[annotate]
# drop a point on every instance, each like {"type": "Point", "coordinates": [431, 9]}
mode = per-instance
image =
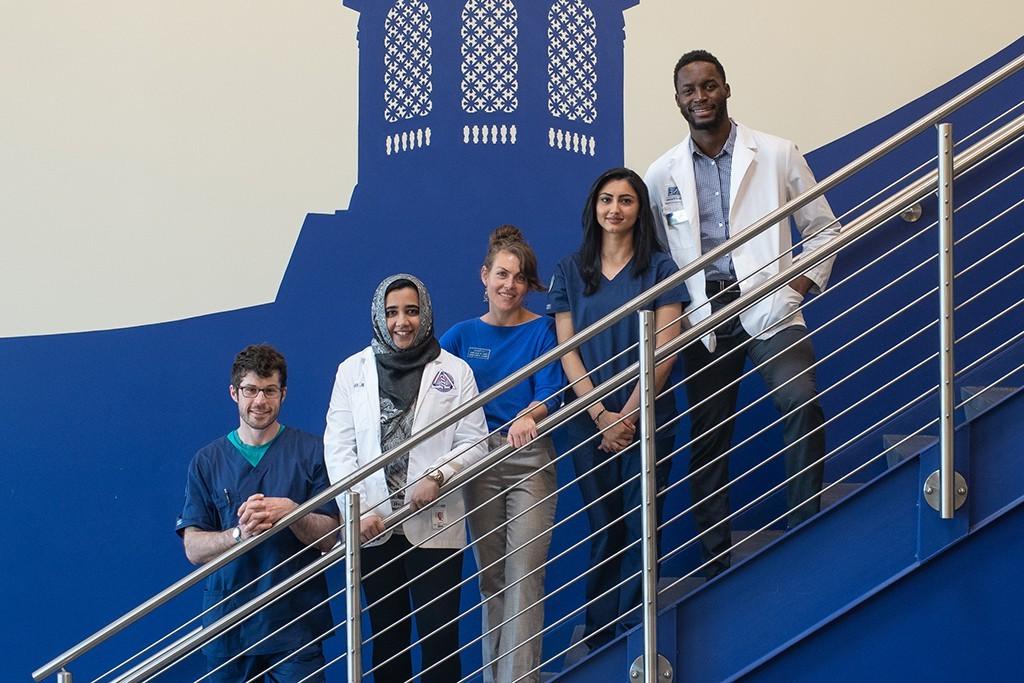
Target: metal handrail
{"type": "Point", "coordinates": [854, 230]}
{"type": "Point", "coordinates": [806, 261]}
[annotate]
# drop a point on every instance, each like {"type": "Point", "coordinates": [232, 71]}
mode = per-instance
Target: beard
{"type": "Point", "coordinates": [721, 116]}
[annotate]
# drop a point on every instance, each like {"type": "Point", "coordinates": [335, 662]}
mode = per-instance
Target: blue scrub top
{"type": "Point", "coordinates": [494, 352]}
{"type": "Point", "coordinates": [220, 479]}
{"type": "Point", "coordinates": [566, 294]}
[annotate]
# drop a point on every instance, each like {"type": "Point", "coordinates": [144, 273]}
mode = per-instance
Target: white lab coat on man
{"type": "Point", "coordinates": [767, 171]}
{"type": "Point", "coordinates": [352, 440]}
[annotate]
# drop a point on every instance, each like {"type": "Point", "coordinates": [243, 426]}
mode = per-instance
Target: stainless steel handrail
{"type": "Point", "coordinates": [571, 344]}
{"type": "Point", "coordinates": [871, 219]}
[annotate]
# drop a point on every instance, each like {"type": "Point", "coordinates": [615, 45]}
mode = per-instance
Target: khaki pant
{"type": "Point", "coordinates": [508, 553]}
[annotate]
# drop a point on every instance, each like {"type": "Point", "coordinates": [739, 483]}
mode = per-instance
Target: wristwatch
{"type": "Point", "coordinates": [236, 534]}
{"type": "Point", "coordinates": [437, 476]}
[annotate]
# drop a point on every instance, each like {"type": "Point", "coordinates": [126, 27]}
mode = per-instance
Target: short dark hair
{"type": "Point", "coordinates": [645, 241]}
{"type": "Point", "coordinates": [697, 56]}
{"type": "Point", "coordinates": [263, 359]}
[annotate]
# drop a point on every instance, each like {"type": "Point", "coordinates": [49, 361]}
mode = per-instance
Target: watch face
{"type": "Point", "coordinates": [236, 534]}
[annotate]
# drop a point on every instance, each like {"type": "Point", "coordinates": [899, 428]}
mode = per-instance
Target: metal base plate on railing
{"type": "Point", "coordinates": [931, 490]}
{"type": "Point", "coordinates": [665, 673]}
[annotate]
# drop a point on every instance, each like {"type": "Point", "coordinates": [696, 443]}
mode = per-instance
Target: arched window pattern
{"type": "Point", "coordinates": [572, 61]}
{"type": "Point", "coordinates": [490, 56]}
{"type": "Point", "coordinates": [407, 54]}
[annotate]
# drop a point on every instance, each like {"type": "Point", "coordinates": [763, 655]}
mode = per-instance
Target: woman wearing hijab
{"type": "Point", "coordinates": [400, 384]}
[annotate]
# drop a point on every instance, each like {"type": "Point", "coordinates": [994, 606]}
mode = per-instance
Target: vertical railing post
{"type": "Point", "coordinates": [946, 473]}
{"type": "Point", "coordinates": [353, 576]}
{"type": "Point", "coordinates": [648, 494]}
{"type": "Point", "coordinates": [63, 676]}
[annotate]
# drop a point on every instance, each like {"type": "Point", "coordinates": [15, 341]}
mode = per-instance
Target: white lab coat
{"type": "Point", "coordinates": [767, 171]}
{"type": "Point", "coordinates": [352, 440]}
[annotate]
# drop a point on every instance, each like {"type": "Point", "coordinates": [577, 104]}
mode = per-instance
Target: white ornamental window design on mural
{"type": "Point", "coordinates": [490, 56]}
{"type": "Point", "coordinates": [407, 54]}
{"type": "Point", "coordinates": [572, 61]}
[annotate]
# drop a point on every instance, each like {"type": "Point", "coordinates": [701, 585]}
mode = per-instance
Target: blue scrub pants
{"type": "Point", "coordinates": [606, 471]}
{"type": "Point", "coordinates": [293, 667]}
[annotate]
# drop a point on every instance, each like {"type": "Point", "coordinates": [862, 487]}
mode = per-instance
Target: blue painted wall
{"type": "Point", "coordinates": [102, 425]}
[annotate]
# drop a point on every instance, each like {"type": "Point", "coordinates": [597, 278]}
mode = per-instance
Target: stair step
{"type": "Point", "coordinates": [667, 595]}
{"type": "Point", "coordinates": [984, 399]}
{"type": "Point", "coordinates": [837, 492]}
{"type": "Point", "coordinates": [908, 448]}
{"type": "Point", "coordinates": [751, 542]}
{"type": "Point", "coordinates": [577, 650]}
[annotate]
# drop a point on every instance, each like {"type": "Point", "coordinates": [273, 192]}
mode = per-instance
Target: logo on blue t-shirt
{"type": "Point", "coordinates": [443, 382]}
{"type": "Point", "coordinates": [478, 353]}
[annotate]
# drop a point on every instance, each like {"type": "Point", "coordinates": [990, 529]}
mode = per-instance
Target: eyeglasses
{"type": "Point", "coordinates": [250, 391]}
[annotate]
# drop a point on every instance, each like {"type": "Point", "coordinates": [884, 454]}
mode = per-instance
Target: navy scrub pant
{"type": "Point", "coordinates": [606, 471]}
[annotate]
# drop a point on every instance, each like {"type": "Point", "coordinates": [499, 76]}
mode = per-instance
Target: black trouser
{"type": "Point", "coordinates": [432, 572]}
{"type": "Point", "coordinates": [712, 422]}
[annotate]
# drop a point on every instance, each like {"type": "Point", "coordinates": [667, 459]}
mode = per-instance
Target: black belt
{"type": "Point", "coordinates": [713, 287]}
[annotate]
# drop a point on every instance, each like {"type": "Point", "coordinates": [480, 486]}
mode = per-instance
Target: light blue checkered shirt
{"type": "Point", "coordinates": [711, 176]}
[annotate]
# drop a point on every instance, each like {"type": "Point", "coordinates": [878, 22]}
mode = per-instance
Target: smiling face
{"type": "Point", "coordinates": [260, 411]}
{"type": "Point", "coordinates": [402, 312]}
{"type": "Point", "coordinates": [701, 93]}
{"type": "Point", "coordinates": [617, 207]}
{"type": "Point", "coordinates": [505, 283]}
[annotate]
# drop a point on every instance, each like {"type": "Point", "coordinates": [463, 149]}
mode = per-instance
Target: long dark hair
{"type": "Point", "coordinates": [645, 241]}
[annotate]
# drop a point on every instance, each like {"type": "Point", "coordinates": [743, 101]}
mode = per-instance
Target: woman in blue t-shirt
{"type": "Point", "coordinates": [513, 503]}
{"type": "Point", "coordinates": [620, 257]}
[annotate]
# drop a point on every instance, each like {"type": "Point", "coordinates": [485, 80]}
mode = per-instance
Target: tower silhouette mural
{"type": "Point", "coordinates": [471, 114]}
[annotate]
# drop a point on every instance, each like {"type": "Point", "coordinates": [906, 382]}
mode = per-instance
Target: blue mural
{"type": "Point", "coordinates": [471, 114]}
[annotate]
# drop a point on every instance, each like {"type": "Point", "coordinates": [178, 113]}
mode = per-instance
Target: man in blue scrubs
{"type": "Point", "coordinates": [239, 486]}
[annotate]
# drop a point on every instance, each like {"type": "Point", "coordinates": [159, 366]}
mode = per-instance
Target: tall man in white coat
{"type": "Point", "coordinates": [718, 181]}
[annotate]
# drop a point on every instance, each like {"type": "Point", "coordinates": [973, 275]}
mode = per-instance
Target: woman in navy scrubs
{"type": "Point", "coordinates": [513, 502]}
{"type": "Point", "coordinates": [619, 258]}
{"type": "Point", "coordinates": [402, 383]}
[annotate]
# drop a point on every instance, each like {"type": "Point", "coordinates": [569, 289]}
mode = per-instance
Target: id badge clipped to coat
{"type": "Point", "coordinates": [438, 516]}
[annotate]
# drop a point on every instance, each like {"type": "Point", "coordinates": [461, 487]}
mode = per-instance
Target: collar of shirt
{"type": "Point", "coordinates": [730, 142]}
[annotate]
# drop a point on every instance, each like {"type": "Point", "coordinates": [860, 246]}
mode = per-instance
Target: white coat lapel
{"type": "Point", "coordinates": [743, 152]}
{"type": "Point", "coordinates": [682, 175]}
{"type": "Point", "coordinates": [423, 418]}
{"type": "Point", "coordinates": [371, 392]}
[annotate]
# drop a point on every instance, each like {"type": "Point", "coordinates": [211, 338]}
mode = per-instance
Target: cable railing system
{"type": "Point", "coordinates": [913, 358]}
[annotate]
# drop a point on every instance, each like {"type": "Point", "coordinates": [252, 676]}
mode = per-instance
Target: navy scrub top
{"type": "Point", "coordinates": [219, 480]}
{"type": "Point", "coordinates": [566, 294]}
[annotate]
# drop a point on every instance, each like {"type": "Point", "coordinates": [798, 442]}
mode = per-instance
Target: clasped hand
{"type": "Point", "coordinates": [258, 513]}
{"type": "Point", "coordinates": [617, 434]}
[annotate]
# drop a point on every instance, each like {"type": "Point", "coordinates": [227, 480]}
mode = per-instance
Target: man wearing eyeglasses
{"type": "Point", "coordinates": [239, 486]}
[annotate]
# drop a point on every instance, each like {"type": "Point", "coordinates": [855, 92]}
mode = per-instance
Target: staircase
{"type": "Point", "coordinates": [877, 579]}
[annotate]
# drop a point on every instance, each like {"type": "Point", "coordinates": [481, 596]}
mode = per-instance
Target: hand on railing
{"type": "Point", "coordinates": [424, 493]}
{"type": "Point", "coordinates": [370, 527]}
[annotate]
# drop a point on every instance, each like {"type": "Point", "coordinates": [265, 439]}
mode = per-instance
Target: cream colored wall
{"type": "Point", "coordinates": [807, 70]}
{"type": "Point", "coordinates": [158, 157]}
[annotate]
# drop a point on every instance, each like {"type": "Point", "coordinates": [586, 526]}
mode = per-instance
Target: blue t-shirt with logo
{"type": "Point", "coordinates": [495, 352]}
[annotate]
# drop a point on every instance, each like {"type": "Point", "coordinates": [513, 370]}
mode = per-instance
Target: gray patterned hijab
{"type": "Point", "coordinates": [399, 370]}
